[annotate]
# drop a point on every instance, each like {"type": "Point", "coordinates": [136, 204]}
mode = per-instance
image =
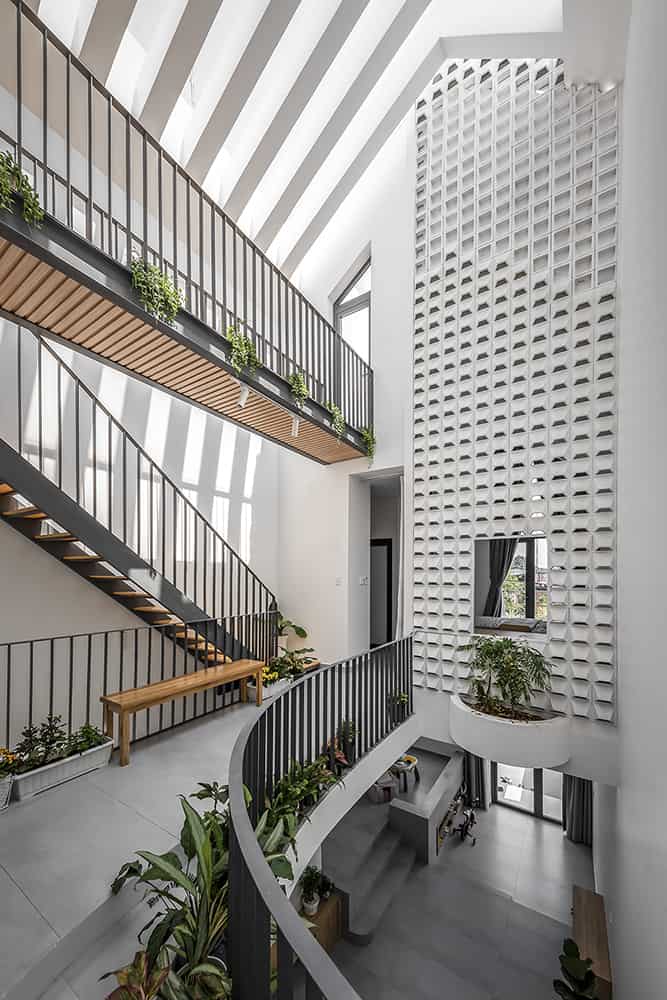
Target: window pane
{"type": "Point", "coordinates": [541, 578]}
{"type": "Point", "coordinates": [355, 331]}
{"type": "Point", "coordinates": [514, 587]}
{"type": "Point", "coordinates": [515, 786]}
{"type": "Point", "coordinates": [361, 285]}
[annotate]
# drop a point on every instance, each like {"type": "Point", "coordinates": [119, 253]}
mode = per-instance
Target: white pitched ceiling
{"type": "Point", "coordinates": [279, 106]}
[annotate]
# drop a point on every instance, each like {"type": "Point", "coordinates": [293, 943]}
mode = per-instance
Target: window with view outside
{"type": "Point", "coordinates": [530, 562]}
{"type": "Point", "coordinates": [352, 313]}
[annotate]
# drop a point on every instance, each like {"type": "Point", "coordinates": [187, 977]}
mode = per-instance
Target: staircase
{"type": "Point", "coordinates": [368, 861]}
{"type": "Point", "coordinates": [75, 483]}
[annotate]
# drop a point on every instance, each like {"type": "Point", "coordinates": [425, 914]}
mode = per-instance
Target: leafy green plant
{"type": "Point", "coordinates": [285, 626]}
{"type": "Point", "coordinates": [291, 663]}
{"type": "Point", "coordinates": [40, 745]}
{"type": "Point", "coordinates": [368, 436]}
{"type": "Point", "coordinates": [397, 704]}
{"type": "Point", "coordinates": [85, 738]}
{"type": "Point", "coordinates": [244, 356]}
{"type": "Point", "coordinates": [337, 420]}
{"type": "Point", "coordinates": [347, 731]}
{"type": "Point", "coordinates": [14, 182]}
{"type": "Point", "coordinates": [158, 295]}
{"type": "Point", "coordinates": [298, 387]}
{"type": "Point", "coordinates": [138, 981]}
{"type": "Point", "coordinates": [580, 981]}
{"type": "Point", "coordinates": [299, 789]}
{"type": "Point", "coordinates": [8, 762]}
{"type": "Point", "coordinates": [310, 883]}
{"type": "Point", "coordinates": [326, 886]}
{"type": "Point", "coordinates": [506, 673]}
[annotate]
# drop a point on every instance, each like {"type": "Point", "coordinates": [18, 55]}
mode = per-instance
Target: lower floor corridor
{"type": "Point", "coordinates": [483, 923]}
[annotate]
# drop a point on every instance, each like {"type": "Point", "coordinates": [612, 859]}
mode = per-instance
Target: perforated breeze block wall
{"type": "Point", "coordinates": [515, 360]}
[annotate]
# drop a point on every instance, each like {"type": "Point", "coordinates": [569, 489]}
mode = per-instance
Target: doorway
{"type": "Point", "coordinates": [534, 790]}
{"type": "Point", "coordinates": [381, 591]}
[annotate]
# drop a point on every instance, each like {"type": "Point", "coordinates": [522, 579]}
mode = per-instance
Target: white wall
{"type": "Point", "coordinates": [636, 852]}
{"type": "Point", "coordinates": [324, 513]}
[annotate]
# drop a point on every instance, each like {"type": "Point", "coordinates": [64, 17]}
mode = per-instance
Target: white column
{"type": "Point", "coordinates": [638, 898]}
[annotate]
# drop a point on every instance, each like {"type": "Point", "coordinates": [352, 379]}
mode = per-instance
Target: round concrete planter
{"type": "Point", "coordinates": [544, 742]}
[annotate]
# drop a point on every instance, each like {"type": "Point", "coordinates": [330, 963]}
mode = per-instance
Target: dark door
{"type": "Point", "coordinates": [381, 588]}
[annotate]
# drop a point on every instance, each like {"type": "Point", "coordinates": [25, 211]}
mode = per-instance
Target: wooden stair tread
{"type": "Point", "coordinates": [151, 608]}
{"type": "Point", "coordinates": [81, 558]}
{"type": "Point", "coordinates": [105, 576]}
{"type": "Point", "coordinates": [153, 694]}
{"type": "Point", "coordinates": [24, 512]}
{"type": "Point", "coordinates": [56, 536]}
{"type": "Point", "coordinates": [129, 593]}
{"type": "Point", "coordinates": [6, 489]}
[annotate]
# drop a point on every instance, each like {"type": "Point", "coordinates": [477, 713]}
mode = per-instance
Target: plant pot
{"type": "Point", "coordinates": [540, 742]}
{"type": "Point", "coordinates": [268, 690]}
{"type": "Point", "coordinates": [60, 771]}
{"type": "Point", "coordinates": [5, 791]}
{"type": "Point", "coordinates": [310, 906]}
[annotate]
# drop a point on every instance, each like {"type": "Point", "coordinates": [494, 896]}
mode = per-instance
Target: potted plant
{"type": "Point", "coordinates": [580, 981]}
{"type": "Point", "coordinates": [326, 886]}
{"type": "Point", "coordinates": [397, 706]}
{"type": "Point", "coordinates": [8, 761]}
{"type": "Point", "coordinates": [310, 883]}
{"type": "Point", "coordinates": [46, 756]}
{"type": "Point", "coordinates": [288, 631]}
{"type": "Point", "coordinates": [496, 719]}
{"type": "Point", "coordinates": [347, 736]}
{"type": "Point", "coordinates": [505, 675]}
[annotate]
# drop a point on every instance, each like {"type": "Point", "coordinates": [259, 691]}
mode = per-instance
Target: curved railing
{"type": "Point", "coordinates": [98, 171]}
{"type": "Point", "coordinates": [374, 690]}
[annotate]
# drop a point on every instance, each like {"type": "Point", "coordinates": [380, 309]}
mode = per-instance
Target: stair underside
{"type": "Point", "coordinates": [51, 299]}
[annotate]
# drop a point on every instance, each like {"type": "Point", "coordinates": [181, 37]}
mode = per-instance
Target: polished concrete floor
{"type": "Point", "coordinates": [483, 923]}
{"type": "Point", "coordinates": [60, 850]}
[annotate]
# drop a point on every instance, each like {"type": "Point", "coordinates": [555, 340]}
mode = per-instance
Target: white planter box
{"type": "Point", "coordinates": [268, 690]}
{"type": "Point", "coordinates": [542, 743]}
{"type": "Point", "coordinates": [5, 791]}
{"type": "Point", "coordinates": [60, 771]}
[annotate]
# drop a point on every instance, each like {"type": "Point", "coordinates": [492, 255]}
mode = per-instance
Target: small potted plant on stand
{"type": "Point", "coordinates": [310, 890]}
{"type": "Point", "coordinates": [397, 705]}
{"type": "Point", "coordinates": [347, 736]}
{"type": "Point", "coordinates": [8, 761]}
{"type": "Point", "coordinates": [288, 631]}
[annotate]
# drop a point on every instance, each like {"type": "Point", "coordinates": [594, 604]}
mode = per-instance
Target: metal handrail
{"type": "Point", "coordinates": [199, 561]}
{"type": "Point", "coordinates": [287, 729]}
{"type": "Point", "coordinates": [67, 674]}
{"type": "Point", "coordinates": [226, 278]}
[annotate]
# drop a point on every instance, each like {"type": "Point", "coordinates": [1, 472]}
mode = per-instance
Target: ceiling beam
{"type": "Point", "coordinates": [105, 32]}
{"type": "Point", "coordinates": [249, 68]}
{"type": "Point", "coordinates": [177, 64]}
{"type": "Point", "coordinates": [384, 52]}
{"type": "Point", "coordinates": [392, 119]}
{"type": "Point", "coordinates": [303, 88]}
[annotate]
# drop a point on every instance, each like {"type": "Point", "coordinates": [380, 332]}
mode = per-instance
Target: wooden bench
{"type": "Point", "coordinates": [127, 703]}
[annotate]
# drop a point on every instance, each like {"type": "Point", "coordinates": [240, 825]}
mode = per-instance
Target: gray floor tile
{"type": "Point", "coordinates": [59, 991]}
{"type": "Point", "coordinates": [25, 936]}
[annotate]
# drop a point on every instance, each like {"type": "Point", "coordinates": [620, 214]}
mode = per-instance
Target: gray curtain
{"type": "Point", "coordinates": [578, 809]}
{"type": "Point", "coordinates": [473, 775]}
{"type": "Point", "coordinates": [501, 553]}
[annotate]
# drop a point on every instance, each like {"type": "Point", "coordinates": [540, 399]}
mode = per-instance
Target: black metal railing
{"type": "Point", "coordinates": [67, 675]}
{"type": "Point", "coordinates": [56, 423]}
{"type": "Point", "coordinates": [372, 690]}
{"type": "Point", "coordinates": [99, 172]}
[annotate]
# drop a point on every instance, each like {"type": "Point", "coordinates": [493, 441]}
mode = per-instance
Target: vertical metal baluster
{"type": "Point", "coordinates": [89, 203]}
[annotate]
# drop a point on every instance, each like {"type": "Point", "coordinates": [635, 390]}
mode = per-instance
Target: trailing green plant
{"type": "Point", "coordinates": [156, 291]}
{"type": "Point", "coordinates": [580, 982]}
{"type": "Point", "coordinates": [298, 387]}
{"type": "Point", "coordinates": [337, 420]}
{"type": "Point", "coordinates": [368, 436]}
{"type": "Point", "coordinates": [244, 356]}
{"type": "Point", "coordinates": [505, 675]}
{"type": "Point", "coordinates": [310, 882]}
{"type": "Point", "coordinates": [285, 626]}
{"type": "Point", "coordinates": [300, 789]}
{"type": "Point", "coordinates": [14, 182]}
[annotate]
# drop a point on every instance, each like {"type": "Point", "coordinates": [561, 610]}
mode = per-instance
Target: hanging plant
{"type": "Point", "coordinates": [298, 387]}
{"type": "Point", "coordinates": [368, 437]}
{"type": "Point", "coordinates": [337, 420]}
{"type": "Point", "coordinates": [158, 295]}
{"type": "Point", "coordinates": [244, 356]}
{"type": "Point", "coordinates": [14, 182]}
